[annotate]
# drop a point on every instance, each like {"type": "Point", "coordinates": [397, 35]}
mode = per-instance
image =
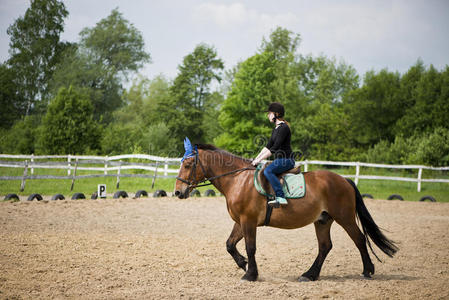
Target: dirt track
{"type": "Point", "coordinates": [170, 248]}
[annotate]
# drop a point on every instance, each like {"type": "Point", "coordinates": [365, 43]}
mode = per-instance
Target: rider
{"type": "Point", "coordinates": [279, 146]}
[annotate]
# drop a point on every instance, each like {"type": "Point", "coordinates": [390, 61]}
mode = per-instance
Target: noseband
{"type": "Point", "coordinates": [192, 184]}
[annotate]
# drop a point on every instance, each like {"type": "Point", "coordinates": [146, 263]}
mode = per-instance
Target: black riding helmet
{"type": "Point", "coordinates": [277, 108]}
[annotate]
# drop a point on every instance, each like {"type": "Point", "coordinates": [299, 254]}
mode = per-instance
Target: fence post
{"type": "Point", "coordinates": [419, 179]}
{"type": "Point", "coordinates": [155, 174]}
{"type": "Point", "coordinates": [32, 161]}
{"type": "Point", "coordinates": [74, 175]}
{"type": "Point", "coordinates": [166, 168]}
{"type": "Point", "coordinates": [306, 166]}
{"type": "Point", "coordinates": [357, 173]}
{"type": "Point", "coordinates": [106, 165]}
{"type": "Point", "coordinates": [69, 162]}
{"type": "Point", "coordinates": [118, 174]}
{"type": "Point", "coordinates": [25, 171]}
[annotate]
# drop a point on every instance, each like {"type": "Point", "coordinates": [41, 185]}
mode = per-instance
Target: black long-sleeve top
{"type": "Point", "coordinates": [279, 143]}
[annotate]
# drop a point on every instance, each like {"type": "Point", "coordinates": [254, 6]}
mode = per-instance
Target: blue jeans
{"type": "Point", "coordinates": [278, 166]}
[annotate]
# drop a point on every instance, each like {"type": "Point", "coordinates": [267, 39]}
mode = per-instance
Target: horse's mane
{"type": "Point", "coordinates": [216, 149]}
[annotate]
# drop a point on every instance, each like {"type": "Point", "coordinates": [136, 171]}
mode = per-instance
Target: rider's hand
{"type": "Point", "coordinates": [255, 162]}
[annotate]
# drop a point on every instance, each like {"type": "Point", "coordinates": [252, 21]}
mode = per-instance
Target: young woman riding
{"type": "Point", "coordinates": [278, 146]}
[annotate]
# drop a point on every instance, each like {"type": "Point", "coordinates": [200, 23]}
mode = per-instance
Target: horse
{"type": "Point", "coordinates": [329, 197]}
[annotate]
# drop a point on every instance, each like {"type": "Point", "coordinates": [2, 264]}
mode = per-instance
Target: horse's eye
{"type": "Point", "coordinates": [187, 166]}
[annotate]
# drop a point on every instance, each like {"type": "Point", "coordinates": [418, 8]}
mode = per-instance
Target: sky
{"type": "Point", "coordinates": [369, 35]}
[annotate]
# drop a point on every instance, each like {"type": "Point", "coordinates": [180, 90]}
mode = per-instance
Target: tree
{"type": "Point", "coordinates": [11, 103]}
{"type": "Point", "coordinates": [138, 124]}
{"type": "Point", "coordinates": [107, 54]}
{"type": "Point", "coordinates": [375, 108]}
{"type": "Point", "coordinates": [104, 90]}
{"type": "Point", "coordinates": [35, 48]}
{"type": "Point", "coordinates": [190, 94]}
{"type": "Point", "coordinates": [68, 126]}
{"type": "Point", "coordinates": [409, 83]}
{"type": "Point", "coordinates": [323, 84]}
{"type": "Point", "coordinates": [263, 78]}
{"type": "Point", "coordinates": [241, 114]}
{"type": "Point", "coordinates": [431, 108]}
{"type": "Point", "coordinates": [21, 137]}
{"type": "Point", "coordinates": [115, 44]}
{"type": "Point", "coordinates": [311, 90]}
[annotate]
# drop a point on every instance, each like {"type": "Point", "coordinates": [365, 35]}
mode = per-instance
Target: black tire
{"type": "Point", "coordinates": [94, 196]}
{"type": "Point", "coordinates": [141, 193]}
{"type": "Point", "coordinates": [209, 193]}
{"type": "Point", "coordinates": [395, 197]}
{"type": "Point", "coordinates": [12, 197]}
{"type": "Point", "coordinates": [195, 193]}
{"type": "Point", "coordinates": [430, 198]}
{"type": "Point", "coordinates": [367, 196]}
{"type": "Point", "coordinates": [77, 196]}
{"type": "Point", "coordinates": [120, 194]}
{"type": "Point", "coordinates": [38, 197]}
{"type": "Point", "coordinates": [159, 193]}
{"type": "Point", "coordinates": [58, 197]}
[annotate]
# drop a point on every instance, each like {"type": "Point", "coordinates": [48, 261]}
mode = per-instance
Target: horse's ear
{"type": "Point", "coordinates": [188, 148]}
{"type": "Point", "coordinates": [187, 145]}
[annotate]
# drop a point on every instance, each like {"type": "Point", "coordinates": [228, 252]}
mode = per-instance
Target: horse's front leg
{"type": "Point", "coordinates": [234, 238]}
{"type": "Point", "coordinates": [249, 232]}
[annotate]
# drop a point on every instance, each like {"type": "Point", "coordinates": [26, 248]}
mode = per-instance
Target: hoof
{"type": "Point", "coordinates": [304, 279]}
{"type": "Point", "coordinates": [247, 277]}
{"type": "Point", "coordinates": [367, 276]}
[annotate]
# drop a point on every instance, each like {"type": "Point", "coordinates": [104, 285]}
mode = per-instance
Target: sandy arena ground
{"type": "Point", "coordinates": [170, 248]}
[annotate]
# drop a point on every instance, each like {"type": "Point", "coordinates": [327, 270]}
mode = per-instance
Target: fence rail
{"type": "Point", "coordinates": [160, 167]}
{"type": "Point", "coordinates": [357, 175]}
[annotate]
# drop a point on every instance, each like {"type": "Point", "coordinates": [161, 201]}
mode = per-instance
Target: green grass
{"type": "Point", "coordinates": [380, 189]}
{"type": "Point", "coordinates": [86, 186]}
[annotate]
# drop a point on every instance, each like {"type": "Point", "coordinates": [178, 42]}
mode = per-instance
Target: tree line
{"type": "Point", "coordinates": [61, 97]}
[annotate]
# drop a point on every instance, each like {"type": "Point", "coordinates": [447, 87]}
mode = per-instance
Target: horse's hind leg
{"type": "Point", "coordinates": [360, 241]}
{"type": "Point", "coordinates": [322, 230]}
{"type": "Point", "coordinates": [234, 238]}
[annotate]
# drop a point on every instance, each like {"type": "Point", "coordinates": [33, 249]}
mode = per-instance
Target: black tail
{"type": "Point", "coordinates": [370, 228]}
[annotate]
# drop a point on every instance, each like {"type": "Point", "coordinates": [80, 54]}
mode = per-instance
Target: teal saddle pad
{"type": "Point", "coordinates": [294, 185]}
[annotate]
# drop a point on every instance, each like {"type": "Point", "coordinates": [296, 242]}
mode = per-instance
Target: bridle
{"type": "Point", "coordinates": [192, 184]}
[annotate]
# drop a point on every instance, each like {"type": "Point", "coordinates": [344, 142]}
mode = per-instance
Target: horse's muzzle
{"type": "Point", "coordinates": [182, 195]}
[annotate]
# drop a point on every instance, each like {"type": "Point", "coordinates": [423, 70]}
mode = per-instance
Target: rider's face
{"type": "Point", "coordinates": [270, 116]}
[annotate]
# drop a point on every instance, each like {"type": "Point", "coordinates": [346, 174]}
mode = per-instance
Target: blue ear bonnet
{"type": "Point", "coordinates": [189, 149]}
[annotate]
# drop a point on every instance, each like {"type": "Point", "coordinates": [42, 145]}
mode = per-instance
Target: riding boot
{"type": "Point", "coordinates": [277, 201]}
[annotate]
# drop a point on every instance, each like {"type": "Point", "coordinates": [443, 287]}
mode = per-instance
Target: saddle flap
{"type": "Point", "coordinates": [292, 181]}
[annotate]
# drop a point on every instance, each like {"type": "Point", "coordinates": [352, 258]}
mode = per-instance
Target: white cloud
{"type": "Point", "coordinates": [236, 15]}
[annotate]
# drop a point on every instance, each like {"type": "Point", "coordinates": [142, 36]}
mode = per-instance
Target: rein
{"type": "Point", "coordinates": [193, 184]}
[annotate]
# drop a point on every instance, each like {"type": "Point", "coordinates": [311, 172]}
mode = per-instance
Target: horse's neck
{"type": "Point", "coordinates": [222, 165]}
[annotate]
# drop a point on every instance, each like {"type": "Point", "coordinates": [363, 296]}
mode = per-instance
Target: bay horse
{"type": "Point", "coordinates": [329, 197]}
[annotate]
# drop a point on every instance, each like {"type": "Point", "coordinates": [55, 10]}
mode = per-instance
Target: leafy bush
{"type": "Point", "coordinates": [432, 149]}
{"type": "Point", "coordinates": [426, 149]}
{"type": "Point", "coordinates": [68, 126]}
{"type": "Point", "coordinates": [119, 138]}
{"type": "Point", "coordinates": [157, 141]}
{"type": "Point", "coordinates": [21, 138]}
{"type": "Point", "coordinates": [391, 153]}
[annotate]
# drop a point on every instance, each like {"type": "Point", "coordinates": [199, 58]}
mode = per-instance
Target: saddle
{"type": "Point", "coordinates": [292, 182]}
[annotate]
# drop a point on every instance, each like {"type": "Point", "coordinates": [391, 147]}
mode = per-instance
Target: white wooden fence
{"type": "Point", "coordinates": [160, 167]}
{"type": "Point", "coordinates": [358, 176]}
{"type": "Point", "coordinates": [111, 163]}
